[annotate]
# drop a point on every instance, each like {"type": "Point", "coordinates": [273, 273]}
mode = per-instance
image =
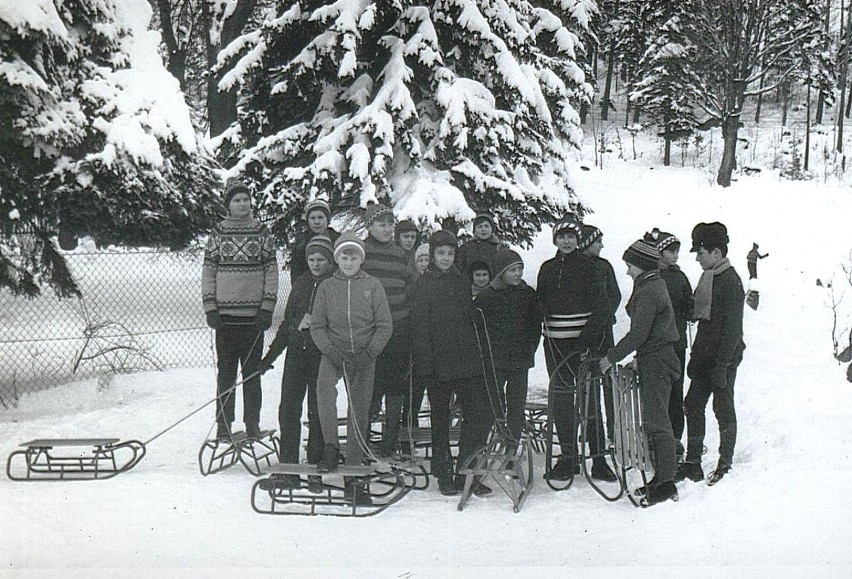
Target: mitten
{"type": "Point", "coordinates": [720, 377]}
{"type": "Point", "coordinates": [213, 320]}
{"type": "Point", "coordinates": [263, 320]}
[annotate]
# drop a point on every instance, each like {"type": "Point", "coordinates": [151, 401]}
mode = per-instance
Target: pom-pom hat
{"type": "Point", "coordinates": [642, 254]}
{"type": "Point", "coordinates": [349, 240]}
{"type": "Point", "coordinates": [568, 224]}
{"type": "Point", "coordinates": [317, 205]}
{"type": "Point", "coordinates": [662, 239]}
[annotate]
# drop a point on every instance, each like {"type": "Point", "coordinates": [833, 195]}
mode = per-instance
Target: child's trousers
{"type": "Point", "coordinates": [359, 383]}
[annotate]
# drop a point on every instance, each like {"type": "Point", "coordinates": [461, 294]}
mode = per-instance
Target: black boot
{"type": "Point", "coordinates": [691, 471]}
{"type": "Point", "coordinates": [252, 430]}
{"type": "Point", "coordinates": [601, 471]}
{"type": "Point", "coordinates": [223, 433]}
{"type": "Point", "coordinates": [564, 470]}
{"type": "Point", "coordinates": [721, 470]}
{"type": "Point", "coordinates": [447, 486]}
{"type": "Point", "coordinates": [330, 459]}
{"type": "Point", "coordinates": [660, 493]}
{"type": "Point", "coordinates": [356, 492]}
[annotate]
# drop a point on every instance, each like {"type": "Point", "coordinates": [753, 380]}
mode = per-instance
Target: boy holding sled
{"type": "Point", "coordinates": [350, 324]}
{"type": "Point", "coordinates": [652, 336]}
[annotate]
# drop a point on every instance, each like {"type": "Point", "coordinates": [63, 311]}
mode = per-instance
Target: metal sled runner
{"type": "Point", "coordinates": [632, 457]}
{"type": "Point", "coordinates": [286, 492]}
{"type": "Point", "coordinates": [62, 459]}
{"type": "Point", "coordinates": [253, 453]}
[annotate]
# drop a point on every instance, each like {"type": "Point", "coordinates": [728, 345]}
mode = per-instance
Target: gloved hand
{"type": "Point", "coordinates": [263, 321]}
{"type": "Point", "coordinates": [265, 366]}
{"type": "Point", "coordinates": [720, 377]}
{"type": "Point", "coordinates": [362, 359]}
{"type": "Point", "coordinates": [213, 320]}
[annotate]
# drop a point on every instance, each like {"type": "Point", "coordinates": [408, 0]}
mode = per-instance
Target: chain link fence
{"type": "Point", "coordinates": [140, 311]}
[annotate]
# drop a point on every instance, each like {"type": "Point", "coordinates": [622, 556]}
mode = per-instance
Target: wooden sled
{"type": "Point", "coordinates": [509, 465]}
{"type": "Point", "coordinates": [632, 457]}
{"type": "Point", "coordinates": [60, 459]}
{"type": "Point", "coordinates": [253, 453]}
{"type": "Point", "coordinates": [285, 491]}
{"type": "Point", "coordinates": [536, 425]}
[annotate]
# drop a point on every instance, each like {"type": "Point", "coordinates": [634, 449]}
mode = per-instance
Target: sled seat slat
{"type": "Point", "coordinates": [309, 469]}
{"type": "Point", "coordinates": [53, 442]}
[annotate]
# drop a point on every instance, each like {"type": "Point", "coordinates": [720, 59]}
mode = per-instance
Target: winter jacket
{"type": "Point", "coordinates": [652, 322]}
{"type": "Point", "coordinates": [351, 315]}
{"type": "Point", "coordinates": [477, 250]}
{"type": "Point", "coordinates": [299, 304]}
{"type": "Point", "coordinates": [240, 272]}
{"type": "Point", "coordinates": [298, 259]}
{"type": "Point", "coordinates": [388, 263]}
{"type": "Point", "coordinates": [573, 296]}
{"type": "Point", "coordinates": [680, 293]}
{"type": "Point", "coordinates": [513, 320]}
{"type": "Point", "coordinates": [613, 293]}
{"type": "Point", "coordinates": [719, 340]}
{"type": "Point", "coordinates": [444, 345]}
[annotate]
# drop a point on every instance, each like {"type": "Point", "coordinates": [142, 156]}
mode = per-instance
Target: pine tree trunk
{"type": "Point", "coordinates": [667, 154]}
{"type": "Point", "coordinates": [785, 102]}
{"type": "Point", "coordinates": [610, 62]}
{"type": "Point", "coordinates": [176, 64]}
{"type": "Point", "coordinates": [844, 58]}
{"type": "Point", "coordinates": [730, 129]}
{"type": "Point", "coordinates": [821, 99]}
{"type": "Point", "coordinates": [808, 125]}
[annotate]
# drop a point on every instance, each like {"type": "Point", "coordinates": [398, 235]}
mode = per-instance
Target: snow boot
{"type": "Point", "coordinates": [564, 469]}
{"type": "Point", "coordinates": [330, 459]}
{"type": "Point", "coordinates": [447, 486]}
{"type": "Point", "coordinates": [252, 430]}
{"type": "Point", "coordinates": [691, 471]}
{"type": "Point", "coordinates": [355, 492]}
{"type": "Point", "coordinates": [601, 471]}
{"type": "Point", "coordinates": [477, 487]}
{"type": "Point", "coordinates": [661, 493]}
{"type": "Point", "coordinates": [646, 490]}
{"type": "Point", "coordinates": [721, 470]}
{"type": "Point", "coordinates": [314, 484]}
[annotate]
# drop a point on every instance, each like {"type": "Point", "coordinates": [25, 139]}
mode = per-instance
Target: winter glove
{"type": "Point", "coordinates": [263, 321]}
{"type": "Point", "coordinates": [362, 360]}
{"type": "Point", "coordinates": [213, 320]}
{"type": "Point", "coordinates": [720, 377]}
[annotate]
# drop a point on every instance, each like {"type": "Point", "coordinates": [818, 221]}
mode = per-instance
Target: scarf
{"type": "Point", "coordinates": [704, 290]}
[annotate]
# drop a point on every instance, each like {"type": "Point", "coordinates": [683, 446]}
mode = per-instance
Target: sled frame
{"type": "Point", "coordinates": [631, 452]}
{"type": "Point", "coordinates": [50, 459]}
{"type": "Point", "coordinates": [253, 453]}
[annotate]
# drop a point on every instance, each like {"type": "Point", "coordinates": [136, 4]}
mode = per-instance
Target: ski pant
{"type": "Point", "coordinates": [700, 389]}
{"type": "Point", "coordinates": [563, 391]}
{"type": "Point", "coordinates": [476, 420]}
{"type": "Point", "coordinates": [300, 376]}
{"type": "Point", "coordinates": [657, 371]}
{"type": "Point", "coordinates": [393, 372]}
{"type": "Point", "coordinates": [359, 385]}
{"type": "Point", "coordinates": [411, 406]}
{"type": "Point", "coordinates": [676, 402]}
{"type": "Point", "coordinates": [752, 270]}
{"type": "Point", "coordinates": [512, 387]}
{"type": "Point", "coordinates": [238, 346]}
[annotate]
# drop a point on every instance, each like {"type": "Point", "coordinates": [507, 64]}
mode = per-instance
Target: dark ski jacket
{"type": "Point", "coordinates": [680, 292]}
{"type": "Point", "coordinates": [719, 340]}
{"type": "Point", "coordinates": [613, 293]}
{"type": "Point", "coordinates": [299, 303]}
{"type": "Point", "coordinates": [298, 260]}
{"type": "Point", "coordinates": [444, 345]}
{"type": "Point", "coordinates": [513, 320]}
{"type": "Point", "coordinates": [478, 250]}
{"type": "Point", "coordinates": [573, 296]}
{"type": "Point", "coordinates": [652, 322]}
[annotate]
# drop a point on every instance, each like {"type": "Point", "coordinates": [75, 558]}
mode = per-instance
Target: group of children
{"type": "Point", "coordinates": [395, 319]}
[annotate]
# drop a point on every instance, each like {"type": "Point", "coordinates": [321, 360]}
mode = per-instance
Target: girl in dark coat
{"type": "Point", "coordinates": [447, 359]}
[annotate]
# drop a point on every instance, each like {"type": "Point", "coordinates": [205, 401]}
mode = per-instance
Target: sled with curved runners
{"type": "Point", "coordinates": [632, 457]}
{"type": "Point", "coordinates": [253, 453]}
{"type": "Point", "coordinates": [287, 492]}
{"type": "Point", "coordinates": [68, 459]}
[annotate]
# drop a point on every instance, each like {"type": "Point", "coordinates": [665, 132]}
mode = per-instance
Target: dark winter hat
{"type": "Point", "coordinates": [590, 234]}
{"type": "Point", "coordinates": [232, 188]}
{"type": "Point", "coordinates": [317, 205]}
{"type": "Point", "coordinates": [709, 236]}
{"type": "Point", "coordinates": [642, 254]}
{"type": "Point", "coordinates": [505, 259]}
{"type": "Point", "coordinates": [442, 237]}
{"type": "Point", "coordinates": [662, 240]}
{"type": "Point", "coordinates": [320, 244]}
{"type": "Point", "coordinates": [480, 217]}
{"type": "Point", "coordinates": [479, 266]}
{"type": "Point", "coordinates": [403, 226]}
{"type": "Point", "coordinates": [349, 240]}
{"type": "Point", "coordinates": [568, 224]}
{"type": "Point", "coordinates": [375, 211]}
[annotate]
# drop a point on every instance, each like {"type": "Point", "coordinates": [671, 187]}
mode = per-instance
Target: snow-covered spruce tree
{"type": "Point", "coordinates": [665, 91]}
{"type": "Point", "coordinates": [95, 138]}
{"type": "Point", "coordinates": [440, 109]}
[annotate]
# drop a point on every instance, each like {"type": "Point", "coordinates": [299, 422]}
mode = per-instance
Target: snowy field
{"type": "Point", "coordinates": [784, 510]}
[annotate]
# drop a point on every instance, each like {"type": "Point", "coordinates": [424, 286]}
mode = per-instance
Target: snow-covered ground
{"type": "Point", "coordinates": [784, 510]}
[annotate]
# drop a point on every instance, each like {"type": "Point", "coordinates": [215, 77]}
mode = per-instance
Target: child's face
{"type": "Point", "coordinates": [633, 271]}
{"type": "Point", "coordinates": [444, 257]}
{"type": "Point", "coordinates": [514, 274]}
{"type": "Point", "coordinates": [707, 259]}
{"type": "Point", "coordinates": [482, 230]}
{"type": "Point", "coordinates": [382, 229]}
{"type": "Point", "coordinates": [481, 277]}
{"type": "Point", "coordinates": [349, 262]}
{"type": "Point", "coordinates": [318, 264]}
{"type": "Point", "coordinates": [595, 248]}
{"type": "Point", "coordinates": [407, 239]}
{"type": "Point", "coordinates": [668, 257]}
{"type": "Point", "coordinates": [422, 263]}
{"type": "Point", "coordinates": [317, 221]}
{"type": "Point", "coordinates": [240, 205]}
{"type": "Point", "coordinates": [566, 242]}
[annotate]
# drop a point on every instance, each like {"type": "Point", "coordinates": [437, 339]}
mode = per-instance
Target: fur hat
{"type": "Point", "coordinates": [317, 204]}
{"type": "Point", "coordinates": [642, 254]}
{"type": "Point", "coordinates": [504, 259]}
{"type": "Point", "coordinates": [232, 188]}
{"type": "Point", "coordinates": [442, 237]}
{"type": "Point", "coordinates": [404, 226]}
{"type": "Point", "coordinates": [320, 244]}
{"type": "Point", "coordinates": [480, 217]}
{"type": "Point", "coordinates": [349, 240]}
{"type": "Point", "coordinates": [422, 249]}
{"type": "Point", "coordinates": [375, 211]}
{"type": "Point", "coordinates": [590, 234]}
{"type": "Point", "coordinates": [479, 266]}
{"type": "Point", "coordinates": [662, 240]}
{"type": "Point", "coordinates": [568, 224]}
{"type": "Point", "coordinates": [709, 235]}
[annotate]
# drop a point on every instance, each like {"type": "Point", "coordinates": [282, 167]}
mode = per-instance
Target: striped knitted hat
{"type": "Point", "coordinates": [320, 244]}
{"type": "Point", "coordinates": [375, 211]}
{"type": "Point", "coordinates": [317, 204]}
{"type": "Point", "coordinates": [590, 235]}
{"type": "Point", "coordinates": [568, 224]}
{"type": "Point", "coordinates": [662, 239]}
{"type": "Point", "coordinates": [232, 188]}
{"type": "Point", "coordinates": [642, 254]}
{"type": "Point", "coordinates": [349, 240]}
